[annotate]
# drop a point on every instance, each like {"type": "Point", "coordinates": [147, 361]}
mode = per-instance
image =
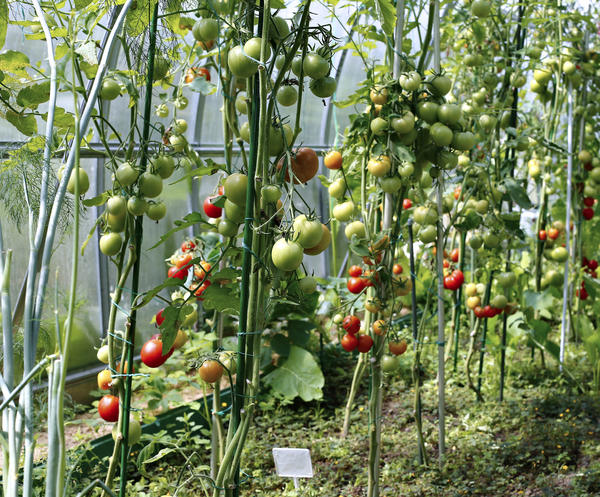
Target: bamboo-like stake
{"type": "Point", "coordinates": [440, 267]}
{"type": "Point", "coordinates": [10, 461]}
{"type": "Point", "coordinates": [563, 323]}
{"type": "Point", "coordinates": [35, 243]}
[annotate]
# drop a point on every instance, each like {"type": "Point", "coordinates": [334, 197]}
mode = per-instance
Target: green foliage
{"type": "Point", "coordinates": [299, 375]}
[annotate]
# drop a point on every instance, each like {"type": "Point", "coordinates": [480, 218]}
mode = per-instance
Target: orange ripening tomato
{"type": "Point", "coordinates": [333, 160]}
{"type": "Point", "coordinates": [201, 270]}
{"type": "Point", "coordinates": [104, 379]}
{"type": "Point", "coordinates": [194, 72]}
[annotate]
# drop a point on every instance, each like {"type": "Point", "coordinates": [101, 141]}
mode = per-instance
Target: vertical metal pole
{"type": "Point", "coordinates": [564, 324]}
{"type": "Point", "coordinates": [194, 194]}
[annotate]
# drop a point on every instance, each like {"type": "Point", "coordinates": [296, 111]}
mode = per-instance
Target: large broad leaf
{"type": "Point", "coordinates": [222, 298]}
{"type": "Point", "coordinates": [517, 193]}
{"type": "Point", "coordinates": [34, 95]}
{"type": "Point", "coordinates": [299, 376]}
{"type": "Point", "coordinates": [25, 123]}
{"type": "Point", "coordinates": [14, 62]}
{"type": "Point", "coordinates": [387, 16]}
{"type": "Point", "coordinates": [299, 331]}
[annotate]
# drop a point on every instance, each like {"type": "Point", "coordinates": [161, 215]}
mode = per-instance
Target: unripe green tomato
{"type": "Point", "coordinates": [499, 301]}
{"type": "Point", "coordinates": [307, 285]}
{"type": "Point", "coordinates": [426, 179]}
{"type": "Point", "coordinates": [287, 255]}
{"type": "Point", "coordinates": [390, 363]}
{"type": "Point", "coordinates": [84, 181]}
{"type": "Point", "coordinates": [110, 89]}
{"type": "Point", "coordinates": [287, 95]}
{"type": "Point", "coordinates": [181, 103]}
{"type": "Point", "coordinates": [180, 126]}
{"type": "Point", "coordinates": [164, 165]}
{"type": "Point", "coordinates": [241, 103]}
{"type": "Point", "coordinates": [205, 30]}
{"type": "Point", "coordinates": [151, 185]}
{"type": "Point", "coordinates": [475, 242]}
{"type": "Point", "coordinates": [245, 132]}
{"type": "Point", "coordinates": [110, 244]}
{"type": "Point", "coordinates": [162, 111]}
{"type": "Point", "coordinates": [134, 432]}
{"type": "Point", "coordinates": [178, 142]}
{"type": "Point", "coordinates": [270, 194]}
{"type": "Point", "coordinates": [116, 223]}
{"type": "Point", "coordinates": [234, 212]}
{"type": "Point", "coordinates": [235, 188]}
{"type": "Point", "coordinates": [116, 205]}
{"type": "Point", "coordinates": [355, 228]}
{"type": "Point", "coordinates": [428, 234]}
{"type": "Point", "coordinates": [391, 184]}
{"type": "Point", "coordinates": [337, 188]}
{"type": "Point", "coordinates": [344, 211]}
{"type": "Point", "coordinates": [323, 87]}
{"type": "Point", "coordinates": [379, 126]}
{"type": "Point", "coordinates": [103, 354]}
{"type": "Point", "coordinates": [407, 170]}
{"type": "Point", "coordinates": [156, 210]}
{"type": "Point", "coordinates": [491, 240]}
{"type": "Point", "coordinates": [338, 318]}
{"type": "Point", "coordinates": [136, 206]}
{"type": "Point", "coordinates": [227, 228]}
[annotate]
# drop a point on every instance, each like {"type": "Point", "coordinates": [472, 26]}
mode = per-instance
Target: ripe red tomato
{"type": "Point", "coordinates": [159, 318]}
{"type": "Point", "coordinates": [175, 272]}
{"type": "Point", "coordinates": [349, 342]}
{"type": "Point", "coordinates": [582, 294]}
{"type": "Point", "coordinates": [356, 285]}
{"type": "Point", "coordinates": [151, 353]}
{"type": "Point", "coordinates": [398, 348]}
{"type": "Point", "coordinates": [449, 282]}
{"type": "Point", "coordinates": [588, 213]}
{"type": "Point", "coordinates": [355, 271]}
{"type": "Point", "coordinates": [108, 408]}
{"type": "Point", "coordinates": [397, 269]}
{"type": "Point", "coordinates": [454, 255]}
{"type": "Point", "coordinates": [187, 246]}
{"type": "Point", "coordinates": [459, 277]}
{"type": "Point", "coordinates": [210, 209]}
{"type": "Point", "coordinates": [446, 263]}
{"type": "Point", "coordinates": [488, 311]}
{"type": "Point", "coordinates": [365, 342]}
{"type": "Point", "coordinates": [542, 235]}
{"type": "Point", "coordinates": [553, 233]}
{"type": "Point", "coordinates": [592, 264]}
{"type": "Point", "coordinates": [588, 201]}
{"type": "Point", "coordinates": [351, 324]}
{"type": "Point", "coordinates": [406, 204]}
{"type": "Point", "coordinates": [479, 311]}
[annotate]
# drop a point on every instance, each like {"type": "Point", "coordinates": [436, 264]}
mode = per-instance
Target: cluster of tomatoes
{"type": "Point", "coordinates": [454, 280]}
{"type": "Point", "coordinates": [181, 264]}
{"type": "Point", "coordinates": [363, 342]}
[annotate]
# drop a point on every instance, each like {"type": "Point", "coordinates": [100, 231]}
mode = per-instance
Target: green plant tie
{"type": "Point", "coordinates": [120, 308]}
{"type": "Point", "coordinates": [119, 337]}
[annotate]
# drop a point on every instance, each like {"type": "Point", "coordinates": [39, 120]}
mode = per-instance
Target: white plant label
{"type": "Point", "coordinates": [293, 463]}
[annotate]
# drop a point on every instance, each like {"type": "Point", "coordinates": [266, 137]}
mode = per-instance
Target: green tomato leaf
{"type": "Point", "coordinates": [280, 344]}
{"type": "Point", "coordinates": [181, 224]}
{"type": "Point", "coordinates": [387, 16]}
{"type": "Point", "coordinates": [169, 327]}
{"type": "Point", "coordinates": [62, 119]}
{"type": "Point", "coordinates": [88, 51]}
{"type": "Point", "coordinates": [95, 201]}
{"type": "Point", "coordinates": [25, 123]}
{"type": "Point", "coordinates": [200, 85]}
{"type": "Point", "coordinates": [222, 298]}
{"type": "Point", "coordinates": [150, 294]}
{"type": "Point", "coordinates": [34, 95]}
{"type": "Point", "coordinates": [299, 331]}
{"type": "Point", "coordinates": [14, 62]}
{"type": "Point", "coordinates": [517, 193]}
{"type": "Point", "coordinates": [298, 376]}
{"type": "Point", "coordinates": [471, 221]}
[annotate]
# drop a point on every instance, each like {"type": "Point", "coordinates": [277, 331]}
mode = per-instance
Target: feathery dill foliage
{"type": "Point", "coordinates": [21, 180]}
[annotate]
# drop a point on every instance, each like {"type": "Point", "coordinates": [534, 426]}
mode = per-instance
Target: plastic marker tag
{"type": "Point", "coordinates": [293, 463]}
